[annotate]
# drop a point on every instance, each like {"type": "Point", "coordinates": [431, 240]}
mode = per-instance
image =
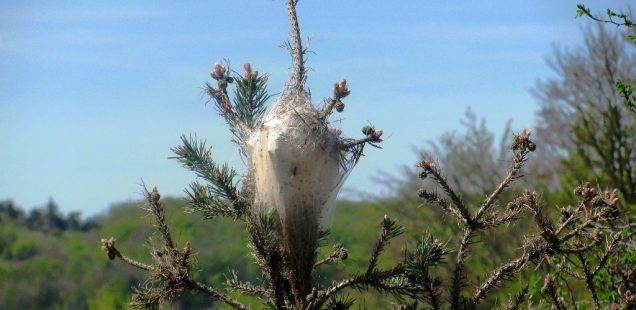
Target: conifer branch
{"type": "Point", "coordinates": [338, 253]}
{"type": "Point", "coordinates": [389, 230]}
{"type": "Point", "coordinates": [377, 279]}
{"type": "Point", "coordinates": [108, 245]}
{"type": "Point", "coordinates": [265, 244]}
{"type": "Point", "coordinates": [550, 289]}
{"type": "Point", "coordinates": [518, 299]}
{"type": "Point", "coordinates": [224, 105]}
{"type": "Point", "coordinates": [521, 145]}
{"type": "Point", "coordinates": [234, 283]}
{"type": "Point", "coordinates": [195, 156]}
{"type": "Point", "coordinates": [214, 294]}
{"type": "Point", "coordinates": [430, 168]}
{"type": "Point", "coordinates": [340, 91]}
{"type": "Point", "coordinates": [250, 96]}
{"type": "Point", "coordinates": [171, 269]}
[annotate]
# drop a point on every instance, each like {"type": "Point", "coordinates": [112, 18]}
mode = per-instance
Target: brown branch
{"type": "Point", "coordinates": [338, 253]}
{"type": "Point", "coordinates": [108, 245]}
{"type": "Point", "coordinates": [610, 248]}
{"type": "Point", "coordinates": [367, 279]}
{"type": "Point", "coordinates": [513, 210]}
{"type": "Point", "coordinates": [502, 272]}
{"type": "Point", "coordinates": [433, 198]}
{"type": "Point", "coordinates": [589, 279]}
{"type": "Point", "coordinates": [329, 108]}
{"type": "Point", "coordinates": [214, 294]}
{"type": "Point", "coordinates": [459, 273]}
{"type": "Point", "coordinates": [513, 174]}
{"type": "Point", "coordinates": [268, 258]}
{"type": "Point", "coordinates": [550, 288]}
{"type": "Point", "coordinates": [430, 168]}
{"type": "Point", "coordinates": [389, 231]}
{"type": "Point", "coordinates": [592, 220]}
{"type": "Point", "coordinates": [157, 211]}
{"type": "Point", "coordinates": [351, 144]}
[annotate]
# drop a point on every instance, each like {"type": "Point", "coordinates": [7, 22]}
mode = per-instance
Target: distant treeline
{"type": "Point", "coordinates": [47, 218]}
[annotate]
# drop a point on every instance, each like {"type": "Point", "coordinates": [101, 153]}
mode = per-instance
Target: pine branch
{"type": "Point", "coordinates": [513, 210]}
{"type": "Point", "coordinates": [214, 294]}
{"type": "Point", "coordinates": [434, 199]}
{"type": "Point", "coordinates": [589, 279]}
{"type": "Point", "coordinates": [518, 299]}
{"type": "Point", "coordinates": [389, 230]}
{"type": "Point", "coordinates": [429, 252]}
{"type": "Point", "coordinates": [203, 200]}
{"type": "Point", "coordinates": [459, 274]}
{"type": "Point", "coordinates": [521, 146]}
{"type": "Point", "coordinates": [250, 96]}
{"type": "Point", "coordinates": [430, 168]}
{"type": "Point", "coordinates": [157, 210]}
{"type": "Point", "coordinates": [550, 288]}
{"type": "Point", "coordinates": [610, 248]}
{"type": "Point", "coordinates": [108, 245]}
{"type": "Point", "coordinates": [338, 253]}
{"type": "Point", "coordinates": [340, 91]}
{"type": "Point", "coordinates": [224, 105]}
{"type": "Point", "coordinates": [235, 284]}
{"type": "Point", "coordinates": [388, 281]}
{"type": "Point", "coordinates": [195, 156]}
{"type": "Point", "coordinates": [265, 245]}
{"type": "Point", "coordinates": [171, 268]}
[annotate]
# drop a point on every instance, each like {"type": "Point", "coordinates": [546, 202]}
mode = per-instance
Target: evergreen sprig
{"type": "Point", "coordinates": [250, 96]}
{"type": "Point", "coordinates": [195, 156]}
{"type": "Point", "coordinates": [203, 200]}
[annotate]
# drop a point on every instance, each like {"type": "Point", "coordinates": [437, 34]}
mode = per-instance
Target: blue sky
{"type": "Point", "coordinates": [93, 94]}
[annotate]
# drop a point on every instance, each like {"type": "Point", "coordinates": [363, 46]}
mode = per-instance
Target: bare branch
{"type": "Point", "coordinates": [298, 74]}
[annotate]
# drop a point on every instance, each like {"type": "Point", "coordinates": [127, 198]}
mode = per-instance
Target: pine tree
{"type": "Point", "coordinates": [296, 164]}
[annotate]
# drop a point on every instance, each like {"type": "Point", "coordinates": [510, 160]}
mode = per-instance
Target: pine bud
{"type": "Point", "coordinates": [154, 195]}
{"type": "Point", "coordinates": [217, 175]}
{"type": "Point", "coordinates": [218, 72]}
{"type": "Point", "coordinates": [368, 130]}
{"type": "Point", "coordinates": [340, 90]}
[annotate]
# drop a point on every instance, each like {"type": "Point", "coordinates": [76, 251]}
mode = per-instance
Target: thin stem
{"type": "Point", "coordinates": [200, 287]}
{"type": "Point", "coordinates": [513, 173]}
{"type": "Point", "coordinates": [298, 75]}
{"type": "Point", "coordinates": [589, 282]}
{"type": "Point", "coordinates": [459, 273]}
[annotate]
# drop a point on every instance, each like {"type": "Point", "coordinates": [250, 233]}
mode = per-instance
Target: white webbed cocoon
{"type": "Point", "coordinates": [296, 164]}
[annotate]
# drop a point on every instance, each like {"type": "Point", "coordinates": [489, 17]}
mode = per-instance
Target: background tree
{"type": "Point", "coordinates": [582, 118]}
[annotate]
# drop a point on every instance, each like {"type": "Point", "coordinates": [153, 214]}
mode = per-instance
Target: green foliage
{"type": "Point", "coordinates": [627, 92]}
{"type": "Point", "coordinates": [219, 196]}
{"type": "Point", "coordinates": [250, 96]}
